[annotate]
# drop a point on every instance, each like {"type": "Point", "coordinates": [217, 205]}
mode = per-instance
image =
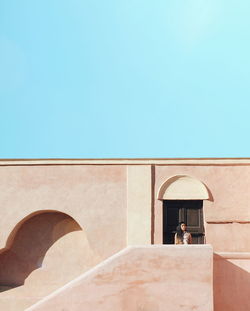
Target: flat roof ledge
{"type": "Point", "coordinates": [129, 161]}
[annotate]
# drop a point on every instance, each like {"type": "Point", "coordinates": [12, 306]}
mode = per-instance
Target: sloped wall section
{"type": "Point", "coordinates": [157, 277]}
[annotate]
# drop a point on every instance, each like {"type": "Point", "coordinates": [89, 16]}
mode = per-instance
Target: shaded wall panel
{"type": "Point", "coordinates": [231, 283]}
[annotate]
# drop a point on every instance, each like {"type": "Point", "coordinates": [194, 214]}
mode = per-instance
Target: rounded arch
{"type": "Point", "coordinates": [14, 222]}
{"type": "Point", "coordinates": [36, 214]}
{"type": "Point", "coordinates": [29, 242]}
{"type": "Point", "coordinates": [183, 187]}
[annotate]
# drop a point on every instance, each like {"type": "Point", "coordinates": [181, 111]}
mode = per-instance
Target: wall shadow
{"type": "Point", "coordinates": [210, 196]}
{"type": "Point", "coordinates": [231, 285]}
{"type": "Point", "coordinates": [29, 243]}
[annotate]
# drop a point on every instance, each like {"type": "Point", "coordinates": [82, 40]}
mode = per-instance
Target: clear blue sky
{"type": "Point", "coordinates": [124, 78]}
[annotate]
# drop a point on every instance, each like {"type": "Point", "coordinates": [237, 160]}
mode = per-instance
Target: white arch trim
{"type": "Point", "coordinates": [183, 187]}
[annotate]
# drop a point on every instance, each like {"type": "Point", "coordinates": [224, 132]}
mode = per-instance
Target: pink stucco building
{"type": "Point", "coordinates": [98, 234]}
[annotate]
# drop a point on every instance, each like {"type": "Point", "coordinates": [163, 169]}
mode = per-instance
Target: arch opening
{"type": "Point", "coordinates": [28, 244]}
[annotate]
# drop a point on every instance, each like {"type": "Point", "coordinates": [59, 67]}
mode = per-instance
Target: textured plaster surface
{"type": "Point", "coordinates": [139, 204]}
{"type": "Point", "coordinates": [141, 278]}
{"type": "Point", "coordinates": [67, 258]}
{"type": "Point", "coordinates": [233, 237]}
{"type": "Point", "coordinates": [94, 196]}
{"type": "Point", "coordinates": [112, 205]}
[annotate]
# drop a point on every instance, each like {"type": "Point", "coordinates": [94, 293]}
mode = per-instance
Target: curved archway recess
{"type": "Point", "coordinates": [29, 242]}
{"type": "Point", "coordinates": [183, 187]}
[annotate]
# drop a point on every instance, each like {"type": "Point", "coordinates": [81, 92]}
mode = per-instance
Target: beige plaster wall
{"type": "Point", "coordinates": [229, 237]}
{"type": "Point", "coordinates": [227, 212]}
{"type": "Point", "coordinates": [139, 204]}
{"type": "Point", "coordinates": [94, 196]}
{"type": "Point", "coordinates": [66, 259]}
{"type": "Point", "coordinates": [231, 281]}
{"type": "Point", "coordinates": [115, 205]}
{"type": "Point", "coordinates": [29, 245]}
{"type": "Point", "coordinates": [141, 278]}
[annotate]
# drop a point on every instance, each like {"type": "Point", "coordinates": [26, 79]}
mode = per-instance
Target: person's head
{"type": "Point", "coordinates": [180, 229]}
{"type": "Point", "coordinates": [183, 226]}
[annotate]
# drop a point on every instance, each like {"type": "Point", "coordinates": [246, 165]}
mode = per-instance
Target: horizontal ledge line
{"type": "Point", "coordinates": [233, 255]}
{"type": "Point", "coordinates": [132, 161]}
{"type": "Point", "coordinates": [229, 222]}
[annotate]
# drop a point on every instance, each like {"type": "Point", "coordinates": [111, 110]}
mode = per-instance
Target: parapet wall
{"type": "Point", "coordinates": [173, 278]}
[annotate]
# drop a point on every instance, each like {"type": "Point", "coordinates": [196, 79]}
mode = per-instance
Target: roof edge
{"type": "Point", "coordinates": [126, 161]}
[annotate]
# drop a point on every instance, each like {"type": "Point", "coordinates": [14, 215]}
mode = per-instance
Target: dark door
{"type": "Point", "coordinates": [188, 211]}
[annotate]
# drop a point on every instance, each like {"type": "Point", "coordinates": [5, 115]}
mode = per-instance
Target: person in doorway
{"type": "Point", "coordinates": [181, 235]}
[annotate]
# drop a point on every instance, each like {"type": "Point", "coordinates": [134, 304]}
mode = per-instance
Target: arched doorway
{"type": "Point", "coordinates": [182, 198]}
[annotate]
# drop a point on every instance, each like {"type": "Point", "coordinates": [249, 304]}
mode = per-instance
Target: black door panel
{"type": "Point", "coordinates": [188, 211]}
